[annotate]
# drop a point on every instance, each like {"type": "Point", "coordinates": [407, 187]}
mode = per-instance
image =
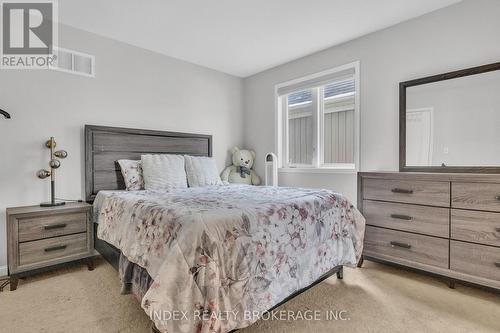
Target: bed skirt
{"type": "Point", "coordinates": [135, 279]}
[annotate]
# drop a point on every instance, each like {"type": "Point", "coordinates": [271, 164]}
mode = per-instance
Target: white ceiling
{"type": "Point", "coordinates": [239, 37]}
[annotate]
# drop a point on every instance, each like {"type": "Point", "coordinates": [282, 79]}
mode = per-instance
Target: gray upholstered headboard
{"type": "Point", "coordinates": [104, 146]}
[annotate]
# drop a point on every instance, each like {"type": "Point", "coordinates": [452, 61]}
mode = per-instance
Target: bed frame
{"type": "Point", "coordinates": [104, 146]}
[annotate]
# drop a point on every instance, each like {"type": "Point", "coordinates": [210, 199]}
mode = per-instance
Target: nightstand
{"type": "Point", "coordinates": [42, 238]}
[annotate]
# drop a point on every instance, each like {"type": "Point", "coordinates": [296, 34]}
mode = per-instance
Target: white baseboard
{"type": "Point", "coordinates": [3, 271]}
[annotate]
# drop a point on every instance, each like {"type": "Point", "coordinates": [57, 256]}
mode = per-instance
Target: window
{"type": "Point", "coordinates": [318, 120]}
{"type": "Point", "coordinates": [300, 127]}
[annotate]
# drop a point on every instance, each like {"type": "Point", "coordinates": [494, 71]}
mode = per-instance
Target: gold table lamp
{"type": "Point", "coordinates": [54, 164]}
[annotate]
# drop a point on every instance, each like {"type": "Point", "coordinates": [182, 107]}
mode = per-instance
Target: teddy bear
{"type": "Point", "coordinates": [241, 171]}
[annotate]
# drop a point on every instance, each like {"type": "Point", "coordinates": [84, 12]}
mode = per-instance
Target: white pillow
{"type": "Point", "coordinates": [201, 171]}
{"type": "Point", "coordinates": [163, 172]}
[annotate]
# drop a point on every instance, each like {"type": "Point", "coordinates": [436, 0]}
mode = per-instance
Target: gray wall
{"type": "Point", "coordinates": [456, 37]}
{"type": "Point", "coordinates": [133, 88]}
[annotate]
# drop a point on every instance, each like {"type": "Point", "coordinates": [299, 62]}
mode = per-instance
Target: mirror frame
{"type": "Point", "coordinates": [402, 121]}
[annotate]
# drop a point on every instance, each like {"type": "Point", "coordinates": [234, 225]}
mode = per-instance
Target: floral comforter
{"type": "Point", "coordinates": [219, 255]}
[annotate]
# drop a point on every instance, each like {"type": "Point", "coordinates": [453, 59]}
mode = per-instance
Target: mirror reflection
{"type": "Point", "coordinates": [454, 122]}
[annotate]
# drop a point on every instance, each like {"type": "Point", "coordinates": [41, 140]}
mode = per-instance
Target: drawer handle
{"type": "Point", "coordinates": [55, 248]}
{"type": "Point", "coordinates": [55, 226]}
{"type": "Point", "coordinates": [401, 190]}
{"type": "Point", "coordinates": [497, 264]}
{"type": "Point", "coordinates": [497, 229]}
{"type": "Point", "coordinates": [497, 197]}
{"type": "Point", "coordinates": [402, 217]}
{"type": "Point", "coordinates": [403, 245]}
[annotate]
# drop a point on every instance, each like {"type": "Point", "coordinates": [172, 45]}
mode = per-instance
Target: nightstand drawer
{"type": "Point", "coordinates": [52, 249]}
{"type": "Point", "coordinates": [34, 228]}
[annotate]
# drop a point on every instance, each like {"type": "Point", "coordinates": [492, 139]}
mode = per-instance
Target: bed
{"type": "Point", "coordinates": [217, 257]}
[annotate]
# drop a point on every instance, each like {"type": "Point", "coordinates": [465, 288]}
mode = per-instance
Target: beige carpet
{"type": "Point", "coordinates": [376, 298]}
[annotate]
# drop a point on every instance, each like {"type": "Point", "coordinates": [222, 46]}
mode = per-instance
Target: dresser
{"type": "Point", "coordinates": [40, 238]}
{"type": "Point", "coordinates": [444, 224]}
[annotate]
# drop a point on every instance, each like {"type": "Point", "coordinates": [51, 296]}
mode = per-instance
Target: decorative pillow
{"type": "Point", "coordinates": [201, 171]}
{"type": "Point", "coordinates": [132, 174]}
{"type": "Point", "coordinates": [163, 172]}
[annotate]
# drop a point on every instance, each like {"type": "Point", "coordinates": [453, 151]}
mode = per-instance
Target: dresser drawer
{"type": "Point", "coordinates": [415, 192]}
{"type": "Point", "coordinates": [476, 227]}
{"type": "Point", "coordinates": [477, 260]}
{"type": "Point", "coordinates": [478, 196]}
{"type": "Point", "coordinates": [433, 221]}
{"type": "Point", "coordinates": [405, 247]}
{"type": "Point", "coordinates": [41, 227]}
{"type": "Point", "coordinates": [52, 249]}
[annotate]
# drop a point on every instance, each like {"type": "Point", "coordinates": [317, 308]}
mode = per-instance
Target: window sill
{"type": "Point", "coordinates": [318, 170]}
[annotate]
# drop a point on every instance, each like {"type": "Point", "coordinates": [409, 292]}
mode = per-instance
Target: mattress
{"type": "Point", "coordinates": [218, 255]}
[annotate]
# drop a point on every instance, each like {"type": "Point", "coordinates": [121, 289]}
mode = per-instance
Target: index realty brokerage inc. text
{"type": "Point", "coordinates": [286, 315]}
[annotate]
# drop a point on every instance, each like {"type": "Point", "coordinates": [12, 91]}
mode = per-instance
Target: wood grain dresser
{"type": "Point", "coordinates": [41, 238]}
{"type": "Point", "coordinates": [445, 224]}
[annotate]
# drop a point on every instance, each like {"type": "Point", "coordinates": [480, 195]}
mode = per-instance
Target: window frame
{"type": "Point", "coordinates": [281, 125]}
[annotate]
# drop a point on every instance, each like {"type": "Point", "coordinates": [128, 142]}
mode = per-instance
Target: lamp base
{"type": "Point", "coordinates": [52, 204]}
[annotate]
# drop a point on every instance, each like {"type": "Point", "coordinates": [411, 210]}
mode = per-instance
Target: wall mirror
{"type": "Point", "coordinates": [451, 122]}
